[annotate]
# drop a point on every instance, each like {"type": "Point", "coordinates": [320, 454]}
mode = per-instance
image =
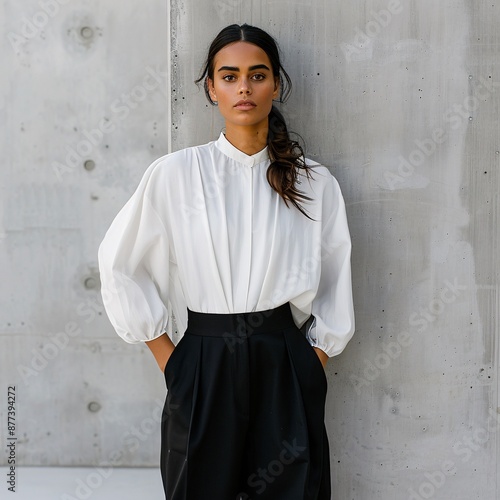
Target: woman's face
{"type": "Point", "coordinates": [243, 84]}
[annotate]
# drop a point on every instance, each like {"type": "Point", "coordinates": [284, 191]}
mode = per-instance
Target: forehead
{"type": "Point", "coordinates": [241, 55]}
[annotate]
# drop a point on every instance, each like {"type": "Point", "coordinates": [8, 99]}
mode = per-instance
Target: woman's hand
{"type": "Point", "coordinates": [323, 357]}
{"type": "Point", "coordinates": [161, 347]}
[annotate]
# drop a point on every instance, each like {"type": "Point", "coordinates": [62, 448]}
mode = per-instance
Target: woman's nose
{"type": "Point", "coordinates": [245, 87]}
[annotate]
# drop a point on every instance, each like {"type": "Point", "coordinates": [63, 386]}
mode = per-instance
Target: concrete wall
{"type": "Point", "coordinates": [83, 112]}
{"type": "Point", "coordinates": [399, 98]}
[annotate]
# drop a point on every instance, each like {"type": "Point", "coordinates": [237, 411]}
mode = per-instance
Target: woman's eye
{"type": "Point", "coordinates": [257, 77]}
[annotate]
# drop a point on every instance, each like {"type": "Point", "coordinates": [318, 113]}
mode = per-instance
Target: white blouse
{"type": "Point", "coordinates": [204, 230]}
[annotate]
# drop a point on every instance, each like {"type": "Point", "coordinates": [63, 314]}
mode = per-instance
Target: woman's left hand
{"type": "Point", "coordinates": [323, 357]}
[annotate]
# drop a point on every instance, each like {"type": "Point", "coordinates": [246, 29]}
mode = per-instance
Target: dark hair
{"type": "Point", "coordinates": [287, 156]}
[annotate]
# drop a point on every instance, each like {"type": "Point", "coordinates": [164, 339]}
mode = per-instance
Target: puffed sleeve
{"type": "Point", "coordinates": [332, 307]}
{"type": "Point", "coordinates": [134, 266]}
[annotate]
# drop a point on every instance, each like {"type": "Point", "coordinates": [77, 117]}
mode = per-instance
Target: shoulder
{"type": "Point", "coordinates": [178, 159]}
{"type": "Point", "coordinates": [169, 169]}
{"type": "Point", "coordinates": [322, 176]}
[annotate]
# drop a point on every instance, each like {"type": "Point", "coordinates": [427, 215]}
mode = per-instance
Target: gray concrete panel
{"type": "Point", "coordinates": [400, 100]}
{"type": "Point", "coordinates": [83, 111]}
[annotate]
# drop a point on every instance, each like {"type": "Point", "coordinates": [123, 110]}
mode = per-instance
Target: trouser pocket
{"type": "Point", "coordinates": [315, 362]}
{"type": "Point", "coordinates": [172, 360]}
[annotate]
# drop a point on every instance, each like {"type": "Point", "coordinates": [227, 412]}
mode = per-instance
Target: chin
{"type": "Point", "coordinates": [247, 120]}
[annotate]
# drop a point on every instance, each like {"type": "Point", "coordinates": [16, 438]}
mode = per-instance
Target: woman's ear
{"type": "Point", "coordinates": [211, 89]}
{"type": "Point", "coordinates": [276, 87]}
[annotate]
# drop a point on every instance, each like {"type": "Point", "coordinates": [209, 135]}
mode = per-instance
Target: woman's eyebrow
{"type": "Point", "coordinates": [251, 68]}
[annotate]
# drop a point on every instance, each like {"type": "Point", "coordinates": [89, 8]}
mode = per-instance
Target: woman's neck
{"type": "Point", "coordinates": [246, 140]}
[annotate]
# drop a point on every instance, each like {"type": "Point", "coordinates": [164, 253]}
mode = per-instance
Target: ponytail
{"type": "Point", "coordinates": [287, 159]}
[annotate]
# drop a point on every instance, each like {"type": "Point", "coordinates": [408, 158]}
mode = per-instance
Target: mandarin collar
{"type": "Point", "coordinates": [234, 153]}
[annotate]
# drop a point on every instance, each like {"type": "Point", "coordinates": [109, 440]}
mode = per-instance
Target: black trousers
{"type": "Point", "coordinates": [244, 412]}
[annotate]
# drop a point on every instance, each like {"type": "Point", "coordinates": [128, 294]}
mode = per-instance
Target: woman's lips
{"type": "Point", "coordinates": [245, 105]}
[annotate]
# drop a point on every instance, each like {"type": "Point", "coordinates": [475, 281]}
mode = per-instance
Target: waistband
{"type": "Point", "coordinates": [241, 324]}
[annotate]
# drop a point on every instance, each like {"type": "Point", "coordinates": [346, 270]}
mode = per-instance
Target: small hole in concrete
{"type": "Point", "coordinates": [90, 283]}
{"type": "Point", "coordinates": [89, 165]}
{"type": "Point", "coordinates": [87, 32]}
{"type": "Point", "coordinates": [93, 406]}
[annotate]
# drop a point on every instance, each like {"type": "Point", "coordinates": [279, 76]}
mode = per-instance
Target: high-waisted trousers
{"type": "Point", "coordinates": [244, 412]}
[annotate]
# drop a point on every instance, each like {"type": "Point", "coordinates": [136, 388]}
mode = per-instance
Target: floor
{"type": "Point", "coordinates": [76, 483]}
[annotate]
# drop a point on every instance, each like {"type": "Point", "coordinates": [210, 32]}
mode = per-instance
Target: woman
{"type": "Point", "coordinates": [221, 236]}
